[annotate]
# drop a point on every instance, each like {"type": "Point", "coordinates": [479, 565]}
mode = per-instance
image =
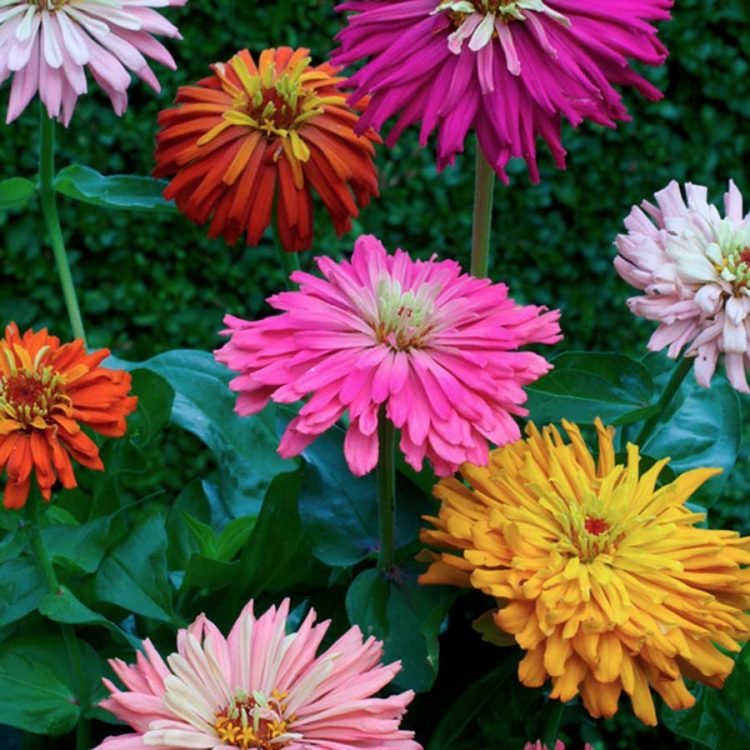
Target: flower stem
{"type": "Point", "coordinates": [675, 381]}
{"type": "Point", "coordinates": [552, 726]}
{"type": "Point", "coordinates": [52, 221]}
{"type": "Point", "coordinates": [484, 189]}
{"type": "Point", "coordinates": [386, 474]}
{"type": "Point", "coordinates": [289, 261]}
{"type": "Point", "coordinates": [72, 646]}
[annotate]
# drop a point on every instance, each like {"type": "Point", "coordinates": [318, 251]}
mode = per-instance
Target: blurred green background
{"type": "Point", "coordinates": [157, 284]}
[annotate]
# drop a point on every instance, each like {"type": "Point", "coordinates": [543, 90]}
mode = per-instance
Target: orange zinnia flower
{"type": "Point", "coordinates": [247, 126]}
{"type": "Point", "coordinates": [47, 391]}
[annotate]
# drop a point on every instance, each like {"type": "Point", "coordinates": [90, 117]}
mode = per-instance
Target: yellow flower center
{"type": "Point", "coordinates": [252, 722]}
{"type": "Point", "coordinates": [275, 104]}
{"type": "Point", "coordinates": [49, 5]}
{"type": "Point", "coordinates": [28, 395]}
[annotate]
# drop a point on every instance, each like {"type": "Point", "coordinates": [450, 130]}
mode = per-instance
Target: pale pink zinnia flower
{"type": "Point", "coordinates": [694, 267]}
{"type": "Point", "coordinates": [507, 69]}
{"type": "Point", "coordinates": [261, 689]}
{"type": "Point", "coordinates": [46, 44]}
{"type": "Point", "coordinates": [436, 348]}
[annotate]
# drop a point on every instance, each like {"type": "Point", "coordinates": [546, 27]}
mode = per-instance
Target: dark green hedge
{"type": "Point", "coordinates": [160, 284]}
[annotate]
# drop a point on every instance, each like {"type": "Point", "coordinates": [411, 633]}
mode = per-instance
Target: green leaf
{"type": "Point", "coordinates": [475, 697]}
{"type": "Point", "coordinates": [21, 588]}
{"type": "Point", "coordinates": [210, 574]}
{"type": "Point", "coordinates": [79, 548]}
{"type": "Point", "coordinates": [155, 398]}
{"type": "Point", "coordinates": [720, 719]}
{"type": "Point", "coordinates": [134, 574]}
{"type": "Point", "coordinates": [15, 193]}
{"type": "Point", "coordinates": [55, 677]}
{"type": "Point", "coordinates": [585, 385]}
{"type": "Point", "coordinates": [340, 511]}
{"type": "Point", "coordinates": [405, 616]}
{"type": "Point", "coordinates": [32, 697]}
{"type": "Point", "coordinates": [277, 556]}
{"type": "Point", "coordinates": [244, 447]}
{"type": "Point", "coordinates": [701, 427]}
{"type": "Point", "coordinates": [63, 606]}
{"type": "Point", "coordinates": [115, 191]}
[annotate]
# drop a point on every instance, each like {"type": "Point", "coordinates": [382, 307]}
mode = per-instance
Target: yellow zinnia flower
{"type": "Point", "coordinates": [603, 579]}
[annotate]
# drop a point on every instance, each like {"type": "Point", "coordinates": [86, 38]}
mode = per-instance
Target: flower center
{"type": "Point", "coordinates": [730, 255]}
{"type": "Point", "coordinates": [29, 395]}
{"type": "Point", "coordinates": [404, 318]}
{"type": "Point", "coordinates": [49, 5]}
{"type": "Point", "coordinates": [255, 722]}
{"type": "Point", "coordinates": [595, 526]}
{"type": "Point", "coordinates": [274, 104]}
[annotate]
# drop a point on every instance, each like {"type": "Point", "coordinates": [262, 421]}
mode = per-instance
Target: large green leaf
{"type": "Point", "coordinates": [43, 683]}
{"type": "Point", "coordinates": [15, 193]}
{"type": "Point", "coordinates": [64, 607]}
{"type": "Point", "coordinates": [155, 398]}
{"type": "Point", "coordinates": [115, 191]}
{"type": "Point", "coordinates": [79, 548]}
{"type": "Point", "coordinates": [21, 588]}
{"type": "Point", "coordinates": [32, 697]}
{"type": "Point", "coordinates": [244, 447]}
{"type": "Point", "coordinates": [134, 573]}
{"type": "Point", "coordinates": [720, 719]}
{"type": "Point", "coordinates": [701, 427]}
{"type": "Point", "coordinates": [456, 719]}
{"type": "Point", "coordinates": [586, 385]}
{"type": "Point", "coordinates": [404, 615]}
{"type": "Point", "coordinates": [340, 511]}
{"type": "Point", "coordinates": [277, 556]}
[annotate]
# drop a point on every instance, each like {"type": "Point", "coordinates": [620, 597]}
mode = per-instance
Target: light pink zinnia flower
{"type": "Point", "coordinates": [508, 69]}
{"type": "Point", "coordinates": [259, 688]}
{"type": "Point", "coordinates": [434, 347]}
{"type": "Point", "coordinates": [694, 268]}
{"type": "Point", "coordinates": [46, 44]}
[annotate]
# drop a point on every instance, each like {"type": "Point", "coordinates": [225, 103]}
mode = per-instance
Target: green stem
{"type": "Point", "coordinates": [72, 645]}
{"type": "Point", "coordinates": [484, 189]}
{"type": "Point", "coordinates": [386, 473]}
{"type": "Point", "coordinates": [289, 261]}
{"type": "Point", "coordinates": [52, 221]}
{"type": "Point", "coordinates": [675, 381]}
{"type": "Point", "coordinates": [552, 725]}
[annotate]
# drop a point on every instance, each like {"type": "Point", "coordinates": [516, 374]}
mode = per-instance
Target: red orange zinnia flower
{"type": "Point", "coordinates": [248, 127]}
{"type": "Point", "coordinates": [47, 391]}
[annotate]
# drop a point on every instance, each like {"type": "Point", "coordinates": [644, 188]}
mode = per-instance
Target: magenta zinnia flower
{"type": "Point", "coordinates": [259, 689]}
{"type": "Point", "coordinates": [694, 267]}
{"type": "Point", "coordinates": [510, 70]}
{"type": "Point", "coordinates": [46, 44]}
{"type": "Point", "coordinates": [435, 348]}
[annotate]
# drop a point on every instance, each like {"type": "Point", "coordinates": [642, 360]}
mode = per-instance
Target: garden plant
{"type": "Point", "coordinates": [375, 381]}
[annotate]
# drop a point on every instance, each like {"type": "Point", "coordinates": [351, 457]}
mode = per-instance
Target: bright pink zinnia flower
{"type": "Point", "coordinates": [508, 69]}
{"type": "Point", "coordinates": [259, 689]}
{"type": "Point", "coordinates": [46, 44]}
{"type": "Point", "coordinates": [435, 347]}
{"type": "Point", "coordinates": [694, 268]}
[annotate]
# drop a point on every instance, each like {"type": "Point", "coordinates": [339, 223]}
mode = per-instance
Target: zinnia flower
{"type": "Point", "coordinates": [435, 349]}
{"type": "Point", "coordinates": [47, 393]}
{"type": "Point", "coordinates": [259, 689]}
{"type": "Point", "coordinates": [246, 129]}
{"type": "Point", "coordinates": [603, 579]}
{"type": "Point", "coordinates": [46, 44]}
{"type": "Point", "coordinates": [694, 267]}
{"type": "Point", "coordinates": [509, 70]}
